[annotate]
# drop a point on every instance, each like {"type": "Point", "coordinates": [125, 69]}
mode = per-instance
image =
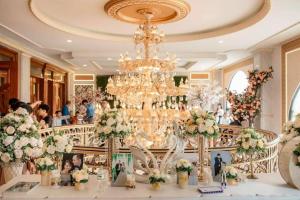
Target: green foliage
{"type": "Point", "coordinates": [153, 179]}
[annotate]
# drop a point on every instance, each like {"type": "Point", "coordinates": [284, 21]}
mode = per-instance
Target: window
{"type": "Point", "coordinates": [239, 83]}
{"type": "Point", "coordinates": [295, 105]}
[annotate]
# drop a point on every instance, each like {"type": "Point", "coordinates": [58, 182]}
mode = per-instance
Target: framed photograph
{"type": "Point", "coordinates": [219, 159]}
{"type": "Point", "coordinates": [122, 165]}
{"type": "Point", "coordinates": [22, 187]}
{"type": "Point", "coordinates": [70, 162]}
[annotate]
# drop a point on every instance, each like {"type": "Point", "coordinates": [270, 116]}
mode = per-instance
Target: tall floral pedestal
{"type": "Point", "coordinates": [251, 175]}
{"type": "Point", "coordinates": [45, 178]}
{"type": "Point", "coordinates": [12, 170]}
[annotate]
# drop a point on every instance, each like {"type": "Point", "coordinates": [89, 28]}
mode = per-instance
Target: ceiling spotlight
{"type": "Point", "coordinates": [109, 58]}
{"type": "Point", "coordinates": [220, 41]}
{"type": "Point", "coordinates": [85, 65]}
{"type": "Point", "coordinates": [69, 41]}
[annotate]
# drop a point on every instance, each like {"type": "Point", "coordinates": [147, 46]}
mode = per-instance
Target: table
{"type": "Point", "coordinates": [268, 186]}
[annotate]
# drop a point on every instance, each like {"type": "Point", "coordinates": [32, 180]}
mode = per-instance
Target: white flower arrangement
{"type": "Point", "coordinates": [250, 141]}
{"type": "Point", "coordinates": [203, 123]}
{"type": "Point", "coordinates": [57, 144]}
{"type": "Point", "coordinates": [291, 129]}
{"type": "Point", "coordinates": [156, 177]}
{"type": "Point", "coordinates": [80, 176]}
{"type": "Point", "coordinates": [19, 137]}
{"type": "Point", "coordinates": [231, 172]}
{"type": "Point", "coordinates": [111, 123]}
{"type": "Point", "coordinates": [183, 165]}
{"type": "Point", "coordinates": [45, 164]}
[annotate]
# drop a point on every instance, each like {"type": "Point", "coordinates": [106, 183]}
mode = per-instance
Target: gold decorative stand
{"type": "Point", "coordinates": [251, 175]}
{"type": "Point", "coordinates": [201, 152]}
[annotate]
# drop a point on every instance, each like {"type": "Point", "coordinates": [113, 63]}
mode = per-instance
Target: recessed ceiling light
{"type": "Point", "coordinates": [85, 65]}
{"type": "Point", "coordinates": [220, 41]}
{"type": "Point", "coordinates": [109, 58]}
{"type": "Point", "coordinates": [69, 41]}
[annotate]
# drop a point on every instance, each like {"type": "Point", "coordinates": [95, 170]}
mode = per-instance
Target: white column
{"type": "Point", "coordinates": [24, 74]}
{"type": "Point", "coordinates": [271, 92]}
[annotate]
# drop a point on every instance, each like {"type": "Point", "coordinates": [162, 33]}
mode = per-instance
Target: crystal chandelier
{"type": "Point", "coordinates": [145, 90]}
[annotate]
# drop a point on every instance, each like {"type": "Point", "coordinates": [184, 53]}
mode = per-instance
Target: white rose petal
{"type": "Point", "coordinates": [22, 128]}
{"type": "Point", "coordinates": [51, 149]}
{"type": "Point", "coordinates": [69, 148]}
{"type": "Point", "coordinates": [18, 144]}
{"type": "Point", "coordinates": [33, 142]}
{"type": "Point", "coordinates": [8, 140]}
{"type": "Point", "coordinates": [24, 141]}
{"type": "Point", "coordinates": [10, 130]}
{"type": "Point", "coordinates": [28, 151]}
{"type": "Point", "coordinates": [5, 157]}
{"type": "Point", "coordinates": [18, 153]}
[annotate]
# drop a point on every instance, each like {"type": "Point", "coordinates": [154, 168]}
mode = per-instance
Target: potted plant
{"type": "Point", "coordinates": [19, 142]}
{"type": "Point", "coordinates": [231, 175]}
{"type": "Point", "coordinates": [155, 179]}
{"type": "Point", "coordinates": [45, 166]}
{"type": "Point", "coordinates": [81, 177]}
{"type": "Point", "coordinates": [183, 169]}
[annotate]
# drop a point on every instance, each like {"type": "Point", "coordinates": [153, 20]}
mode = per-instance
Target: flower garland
{"type": "Point", "coordinates": [19, 137]}
{"type": "Point", "coordinates": [111, 123]}
{"type": "Point", "coordinates": [203, 123]}
{"type": "Point", "coordinates": [183, 165]}
{"type": "Point", "coordinates": [247, 105]}
{"type": "Point", "coordinates": [250, 141]}
{"type": "Point", "coordinates": [156, 177]}
{"type": "Point", "coordinates": [57, 144]}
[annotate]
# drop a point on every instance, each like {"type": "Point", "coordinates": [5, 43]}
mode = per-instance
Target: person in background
{"type": "Point", "coordinates": [66, 111]}
{"type": "Point", "coordinates": [46, 120]}
{"type": "Point", "coordinates": [12, 104]}
{"type": "Point", "coordinates": [90, 111]}
{"type": "Point", "coordinates": [79, 118]}
{"type": "Point", "coordinates": [57, 119]}
{"type": "Point", "coordinates": [82, 108]}
{"type": "Point", "coordinates": [226, 119]}
{"type": "Point", "coordinates": [219, 113]}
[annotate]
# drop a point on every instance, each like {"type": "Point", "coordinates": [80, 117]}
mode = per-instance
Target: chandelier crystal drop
{"type": "Point", "coordinates": [145, 89]}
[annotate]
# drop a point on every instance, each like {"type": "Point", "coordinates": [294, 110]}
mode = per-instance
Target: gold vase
{"type": "Point", "coordinates": [156, 186]}
{"type": "Point", "coordinates": [251, 175]}
{"type": "Point", "coordinates": [231, 181]}
{"type": "Point", "coordinates": [45, 178]}
{"type": "Point", "coordinates": [79, 186]}
{"type": "Point", "coordinates": [183, 179]}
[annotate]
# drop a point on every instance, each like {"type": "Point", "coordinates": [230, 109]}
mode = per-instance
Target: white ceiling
{"type": "Point", "coordinates": [75, 18]}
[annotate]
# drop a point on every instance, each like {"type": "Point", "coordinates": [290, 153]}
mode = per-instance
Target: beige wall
{"type": "Point", "coordinates": [292, 75]}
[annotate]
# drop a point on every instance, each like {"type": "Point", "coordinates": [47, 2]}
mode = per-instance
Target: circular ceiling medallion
{"type": "Point", "coordinates": [134, 11]}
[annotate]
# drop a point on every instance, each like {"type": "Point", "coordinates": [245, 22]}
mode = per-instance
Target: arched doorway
{"type": "Point", "coordinates": [295, 105]}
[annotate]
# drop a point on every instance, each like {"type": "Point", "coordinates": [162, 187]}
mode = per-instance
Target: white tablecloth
{"type": "Point", "coordinates": [268, 186]}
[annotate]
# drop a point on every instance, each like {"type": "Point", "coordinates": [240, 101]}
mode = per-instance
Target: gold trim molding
{"type": "Point", "coordinates": [134, 11]}
{"type": "Point", "coordinates": [234, 27]}
{"type": "Point", "coordinates": [238, 65]}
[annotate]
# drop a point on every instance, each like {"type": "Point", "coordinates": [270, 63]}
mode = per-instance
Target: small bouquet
{"type": "Point", "coordinates": [231, 175]}
{"type": "Point", "coordinates": [80, 177]}
{"type": "Point", "coordinates": [155, 179]}
{"type": "Point", "coordinates": [111, 123]}
{"type": "Point", "coordinates": [202, 122]}
{"type": "Point", "coordinates": [250, 141]}
{"type": "Point", "coordinates": [45, 164]}
{"type": "Point", "coordinates": [183, 165]}
{"type": "Point", "coordinates": [19, 137]}
{"type": "Point", "coordinates": [57, 144]}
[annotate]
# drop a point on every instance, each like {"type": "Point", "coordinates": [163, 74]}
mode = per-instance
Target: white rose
{"type": "Point", "coordinates": [210, 130]}
{"type": "Point", "coordinates": [22, 128]}
{"type": "Point", "coordinates": [233, 171]}
{"type": "Point", "coordinates": [260, 144]}
{"type": "Point", "coordinates": [199, 121]}
{"type": "Point", "coordinates": [51, 149]}
{"type": "Point", "coordinates": [37, 152]}
{"type": "Point", "coordinates": [18, 144]}
{"type": "Point", "coordinates": [48, 162]}
{"type": "Point", "coordinates": [21, 111]}
{"type": "Point", "coordinates": [107, 130]}
{"type": "Point", "coordinates": [110, 121]}
{"type": "Point", "coordinates": [8, 140]}
{"type": "Point", "coordinates": [28, 151]}
{"type": "Point", "coordinates": [33, 141]}
{"type": "Point", "coordinates": [69, 148]}
{"type": "Point", "coordinates": [60, 148]}
{"type": "Point", "coordinates": [5, 157]}
{"type": "Point", "coordinates": [253, 143]}
{"type": "Point", "coordinates": [209, 123]}
{"type": "Point", "coordinates": [40, 143]}
{"type": "Point", "coordinates": [18, 153]}
{"type": "Point", "coordinates": [201, 128]}
{"type": "Point", "coordinates": [24, 141]}
{"type": "Point", "coordinates": [246, 145]}
{"type": "Point", "coordinates": [10, 130]}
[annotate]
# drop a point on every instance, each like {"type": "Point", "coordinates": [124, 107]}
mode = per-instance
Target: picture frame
{"type": "Point", "coordinates": [122, 165]}
{"type": "Point", "coordinates": [219, 159]}
{"type": "Point", "coordinates": [70, 162]}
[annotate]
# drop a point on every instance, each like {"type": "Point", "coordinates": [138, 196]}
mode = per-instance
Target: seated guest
{"type": "Point", "coordinates": [66, 111]}
{"type": "Point", "coordinates": [46, 120]}
{"type": "Point", "coordinates": [225, 119]}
